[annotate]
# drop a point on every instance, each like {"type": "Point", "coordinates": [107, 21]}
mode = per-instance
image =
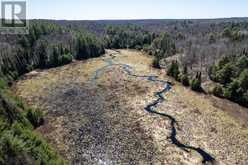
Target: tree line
{"type": "Point", "coordinates": [134, 37]}
{"type": "Point", "coordinates": [231, 74]}
{"type": "Point", "coordinates": [127, 36]}
{"type": "Point", "coordinates": [47, 45]}
{"type": "Point", "coordinates": [19, 144]}
{"type": "Point", "coordinates": [184, 78]}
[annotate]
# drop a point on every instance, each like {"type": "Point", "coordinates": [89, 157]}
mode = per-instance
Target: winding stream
{"type": "Point", "coordinates": [206, 157]}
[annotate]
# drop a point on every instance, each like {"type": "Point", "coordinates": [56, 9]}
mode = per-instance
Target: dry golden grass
{"type": "Point", "coordinates": [200, 122]}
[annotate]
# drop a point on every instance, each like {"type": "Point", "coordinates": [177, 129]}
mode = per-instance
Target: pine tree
{"type": "Point", "coordinates": [196, 82]}
{"type": "Point", "coordinates": [184, 77]}
{"type": "Point", "coordinates": [42, 55]}
{"type": "Point", "coordinates": [55, 57]}
{"type": "Point", "coordinates": [173, 70]}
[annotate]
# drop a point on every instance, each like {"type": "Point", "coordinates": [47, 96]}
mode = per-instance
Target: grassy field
{"type": "Point", "coordinates": [105, 121]}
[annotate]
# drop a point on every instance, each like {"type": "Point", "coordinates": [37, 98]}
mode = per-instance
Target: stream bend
{"type": "Point", "coordinates": [206, 157]}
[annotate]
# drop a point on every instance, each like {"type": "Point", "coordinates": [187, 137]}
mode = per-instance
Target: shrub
{"type": "Point", "coordinates": [196, 83]}
{"type": "Point", "coordinates": [156, 63]}
{"type": "Point", "coordinates": [3, 83]}
{"type": "Point", "coordinates": [14, 75]}
{"type": "Point", "coordinates": [66, 59]}
{"type": "Point", "coordinates": [227, 93]}
{"type": "Point", "coordinates": [243, 79]}
{"type": "Point", "coordinates": [147, 48]}
{"type": "Point", "coordinates": [184, 77]}
{"type": "Point", "coordinates": [185, 80]}
{"type": "Point", "coordinates": [245, 99]}
{"type": "Point", "coordinates": [232, 73]}
{"type": "Point", "coordinates": [22, 146]}
{"type": "Point", "coordinates": [35, 118]}
{"type": "Point", "coordinates": [242, 63]}
{"type": "Point", "coordinates": [225, 75]}
{"type": "Point", "coordinates": [173, 70]}
{"type": "Point", "coordinates": [29, 68]}
{"type": "Point", "coordinates": [18, 101]}
{"type": "Point", "coordinates": [218, 91]}
{"type": "Point", "coordinates": [233, 91]}
{"type": "Point", "coordinates": [18, 143]}
{"type": "Point", "coordinates": [212, 72]}
{"type": "Point", "coordinates": [13, 149]}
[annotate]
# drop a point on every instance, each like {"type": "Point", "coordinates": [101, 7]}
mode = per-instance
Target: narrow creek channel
{"type": "Point", "coordinates": [206, 157]}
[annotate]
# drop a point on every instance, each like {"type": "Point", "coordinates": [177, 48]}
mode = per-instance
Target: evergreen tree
{"type": "Point", "coordinates": [173, 70]}
{"type": "Point", "coordinates": [156, 62]}
{"type": "Point", "coordinates": [42, 55]}
{"type": "Point", "coordinates": [196, 83]}
{"type": "Point", "coordinates": [55, 57]}
{"type": "Point", "coordinates": [184, 77]}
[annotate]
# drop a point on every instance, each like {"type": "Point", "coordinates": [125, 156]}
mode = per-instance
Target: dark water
{"type": "Point", "coordinates": [206, 157]}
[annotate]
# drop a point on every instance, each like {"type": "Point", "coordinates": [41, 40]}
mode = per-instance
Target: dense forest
{"type": "Point", "coordinates": [203, 50]}
{"type": "Point", "coordinates": [196, 45]}
{"type": "Point", "coordinates": [47, 45]}
{"type": "Point", "coordinates": [231, 72]}
{"type": "Point", "coordinates": [19, 144]}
